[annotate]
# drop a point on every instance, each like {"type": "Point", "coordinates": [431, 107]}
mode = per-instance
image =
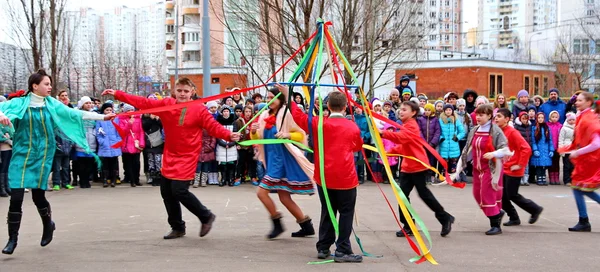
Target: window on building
{"type": "Point", "coordinates": [597, 71]}
{"type": "Point", "coordinates": [384, 44]}
{"type": "Point", "coordinates": [196, 2]}
{"type": "Point", "coordinates": [433, 3]}
{"type": "Point", "coordinates": [536, 85]}
{"type": "Point", "coordinates": [447, 26]}
{"type": "Point", "coordinates": [585, 46]}
{"type": "Point", "coordinates": [191, 56]}
{"type": "Point", "coordinates": [432, 14]}
{"type": "Point", "coordinates": [545, 86]}
{"type": "Point", "coordinates": [433, 27]}
{"type": "Point", "coordinates": [597, 47]}
{"type": "Point", "coordinates": [432, 37]}
{"type": "Point", "coordinates": [576, 46]}
{"type": "Point", "coordinates": [356, 38]}
{"type": "Point", "coordinates": [170, 29]}
{"type": "Point", "coordinates": [447, 14]}
{"type": "Point", "coordinates": [590, 12]}
{"type": "Point", "coordinates": [526, 83]}
{"type": "Point", "coordinates": [447, 3]}
{"type": "Point", "coordinates": [447, 37]}
{"type": "Point", "coordinates": [496, 84]}
{"type": "Point", "coordinates": [192, 37]}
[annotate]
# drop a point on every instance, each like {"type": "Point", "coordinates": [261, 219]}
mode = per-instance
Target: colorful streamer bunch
{"type": "Point", "coordinates": [319, 44]}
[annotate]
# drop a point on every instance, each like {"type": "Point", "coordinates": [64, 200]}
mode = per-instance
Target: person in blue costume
{"type": "Point", "coordinates": [287, 169]}
{"type": "Point", "coordinates": [34, 117]}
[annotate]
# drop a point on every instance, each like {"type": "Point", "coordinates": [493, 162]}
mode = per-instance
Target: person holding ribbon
{"type": "Point", "coordinates": [288, 171]}
{"type": "Point", "coordinates": [414, 174]}
{"type": "Point", "coordinates": [184, 120]}
{"type": "Point", "coordinates": [486, 146]}
{"type": "Point", "coordinates": [34, 117]}
{"type": "Point", "coordinates": [585, 179]}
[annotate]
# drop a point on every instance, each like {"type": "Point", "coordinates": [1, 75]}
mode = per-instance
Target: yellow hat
{"type": "Point", "coordinates": [429, 107]}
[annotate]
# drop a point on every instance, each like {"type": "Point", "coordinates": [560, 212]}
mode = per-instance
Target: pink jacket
{"type": "Point", "coordinates": [388, 146]}
{"type": "Point", "coordinates": [555, 132]}
{"type": "Point", "coordinates": [134, 132]}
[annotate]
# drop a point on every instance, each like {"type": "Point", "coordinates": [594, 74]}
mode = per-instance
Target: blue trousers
{"type": "Point", "coordinates": [580, 201]}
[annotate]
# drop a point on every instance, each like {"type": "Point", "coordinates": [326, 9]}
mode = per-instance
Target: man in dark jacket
{"type": "Point", "coordinates": [470, 97]}
{"type": "Point", "coordinates": [554, 104]}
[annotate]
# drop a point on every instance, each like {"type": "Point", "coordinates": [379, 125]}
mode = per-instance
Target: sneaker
{"type": "Point", "coordinates": [347, 258]}
{"type": "Point", "coordinates": [56, 188]}
{"type": "Point", "coordinates": [237, 183]}
{"type": "Point", "coordinates": [68, 187]}
{"type": "Point", "coordinates": [118, 181]}
{"type": "Point", "coordinates": [255, 183]}
{"type": "Point", "coordinates": [406, 230]}
{"type": "Point", "coordinates": [323, 254]}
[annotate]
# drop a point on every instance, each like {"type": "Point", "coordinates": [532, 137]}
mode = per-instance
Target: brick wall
{"type": "Point", "coordinates": [225, 80]}
{"type": "Point", "coordinates": [436, 82]}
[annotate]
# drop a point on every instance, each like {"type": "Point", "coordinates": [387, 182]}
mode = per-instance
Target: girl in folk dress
{"type": "Point", "coordinates": [486, 145]}
{"type": "Point", "coordinates": [34, 117]}
{"type": "Point", "coordinates": [586, 158]}
{"type": "Point", "coordinates": [288, 171]}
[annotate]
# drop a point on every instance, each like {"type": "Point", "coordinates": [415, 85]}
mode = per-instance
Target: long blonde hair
{"type": "Point", "coordinates": [497, 106]}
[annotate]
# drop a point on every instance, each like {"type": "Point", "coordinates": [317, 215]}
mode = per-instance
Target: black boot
{"type": "Point", "coordinates": [14, 223]}
{"type": "Point", "coordinates": [49, 227]}
{"type": "Point", "coordinates": [447, 220]}
{"type": "Point", "coordinates": [406, 229]}
{"type": "Point", "coordinates": [105, 180]}
{"type": "Point", "coordinates": [6, 184]}
{"type": "Point", "coordinates": [3, 186]}
{"type": "Point", "coordinates": [277, 227]}
{"type": "Point", "coordinates": [583, 225]}
{"type": "Point", "coordinates": [306, 228]}
{"type": "Point", "coordinates": [231, 175]}
{"type": "Point", "coordinates": [156, 179]}
{"type": "Point", "coordinates": [495, 224]}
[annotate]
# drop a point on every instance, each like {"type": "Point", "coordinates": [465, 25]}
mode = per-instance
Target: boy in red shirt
{"type": "Point", "coordinates": [514, 169]}
{"type": "Point", "coordinates": [341, 138]}
{"type": "Point", "coordinates": [412, 173]}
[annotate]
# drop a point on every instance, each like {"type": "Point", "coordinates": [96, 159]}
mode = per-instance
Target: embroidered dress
{"type": "Point", "coordinates": [283, 172]}
{"type": "Point", "coordinates": [489, 200]}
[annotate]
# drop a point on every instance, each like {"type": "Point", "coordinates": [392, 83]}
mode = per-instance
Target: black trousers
{"type": "Point", "coordinates": [417, 180]}
{"type": "Point", "coordinates": [86, 166]}
{"type": "Point", "coordinates": [510, 194]}
{"type": "Point", "coordinates": [131, 166]}
{"type": "Point", "coordinates": [567, 169]}
{"type": "Point", "coordinates": [173, 193]}
{"type": "Point", "coordinates": [245, 164]}
{"type": "Point", "coordinates": [110, 168]}
{"type": "Point", "coordinates": [17, 196]}
{"type": "Point", "coordinates": [342, 201]}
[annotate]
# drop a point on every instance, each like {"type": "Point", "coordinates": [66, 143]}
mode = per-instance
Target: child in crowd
{"type": "Point", "coordinates": [393, 161]}
{"type": "Point", "coordinates": [206, 170]}
{"type": "Point", "coordinates": [555, 127]}
{"type": "Point", "coordinates": [387, 107]}
{"type": "Point", "coordinates": [107, 136]}
{"type": "Point", "coordinates": [365, 135]}
{"type": "Point", "coordinates": [226, 151]}
{"type": "Point", "coordinates": [464, 118]}
{"type": "Point", "coordinates": [565, 140]}
{"type": "Point", "coordinates": [133, 144]}
{"type": "Point", "coordinates": [526, 130]}
{"type": "Point", "coordinates": [543, 149]}
{"type": "Point", "coordinates": [452, 132]}
{"type": "Point", "coordinates": [439, 107]}
{"type": "Point", "coordinates": [429, 126]}
{"type": "Point", "coordinates": [86, 160]}
{"type": "Point", "coordinates": [212, 108]}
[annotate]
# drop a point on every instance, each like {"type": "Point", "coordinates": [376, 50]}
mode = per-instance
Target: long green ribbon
{"type": "Point", "coordinates": [259, 113]}
{"type": "Point", "coordinates": [275, 141]}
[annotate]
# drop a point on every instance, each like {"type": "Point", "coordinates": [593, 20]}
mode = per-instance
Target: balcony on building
{"type": "Point", "coordinates": [170, 37]}
{"type": "Point", "coordinates": [170, 53]}
{"type": "Point", "coordinates": [191, 46]}
{"type": "Point", "coordinates": [169, 5]}
{"type": "Point", "coordinates": [170, 21]}
{"type": "Point", "coordinates": [192, 9]}
{"type": "Point", "coordinates": [192, 64]}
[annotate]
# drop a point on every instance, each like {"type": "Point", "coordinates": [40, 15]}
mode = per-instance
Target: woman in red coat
{"type": "Point", "coordinates": [585, 158]}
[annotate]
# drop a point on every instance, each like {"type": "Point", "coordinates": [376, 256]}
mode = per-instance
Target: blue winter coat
{"type": "Point", "coordinates": [544, 146]}
{"type": "Point", "coordinates": [392, 115]}
{"type": "Point", "coordinates": [557, 105]}
{"type": "Point", "coordinates": [361, 122]}
{"type": "Point", "coordinates": [448, 147]}
{"type": "Point", "coordinates": [106, 140]}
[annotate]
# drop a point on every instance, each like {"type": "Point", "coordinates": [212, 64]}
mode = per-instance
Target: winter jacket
{"type": "Point", "coordinates": [361, 122]}
{"type": "Point", "coordinates": [557, 105]}
{"type": "Point", "coordinates": [90, 134]}
{"type": "Point", "coordinates": [150, 125]}
{"type": "Point", "coordinates": [245, 135]}
{"type": "Point", "coordinates": [134, 132]}
{"type": "Point", "coordinates": [521, 149]}
{"type": "Point", "coordinates": [405, 145]}
{"type": "Point", "coordinates": [430, 130]}
{"type": "Point", "coordinates": [518, 108]}
{"type": "Point", "coordinates": [451, 134]}
{"type": "Point", "coordinates": [226, 151]}
{"type": "Point", "coordinates": [461, 120]}
{"type": "Point", "coordinates": [388, 146]}
{"type": "Point", "coordinates": [526, 132]}
{"type": "Point", "coordinates": [207, 153]}
{"type": "Point", "coordinates": [544, 147]}
{"type": "Point", "coordinates": [392, 115]}
{"type": "Point", "coordinates": [400, 88]}
{"type": "Point", "coordinates": [181, 150]}
{"type": "Point", "coordinates": [566, 135]}
{"type": "Point", "coordinates": [538, 108]}
{"type": "Point", "coordinates": [63, 145]}
{"type": "Point", "coordinates": [470, 107]}
{"type": "Point", "coordinates": [555, 131]}
{"type": "Point", "coordinates": [107, 136]}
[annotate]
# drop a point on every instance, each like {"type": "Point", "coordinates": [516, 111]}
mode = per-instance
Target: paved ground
{"type": "Point", "coordinates": [121, 229]}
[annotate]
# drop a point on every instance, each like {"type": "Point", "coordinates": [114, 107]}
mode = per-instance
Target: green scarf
{"type": "Point", "coordinates": [70, 120]}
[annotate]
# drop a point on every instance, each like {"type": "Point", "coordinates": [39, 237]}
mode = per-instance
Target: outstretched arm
{"type": "Point", "coordinates": [136, 101]}
{"type": "Point", "coordinates": [214, 128]}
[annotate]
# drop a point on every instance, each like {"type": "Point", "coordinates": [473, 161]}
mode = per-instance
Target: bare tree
{"type": "Point", "coordinates": [579, 62]}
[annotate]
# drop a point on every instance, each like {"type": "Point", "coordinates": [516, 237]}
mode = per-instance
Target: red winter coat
{"type": "Point", "coordinates": [406, 145]}
{"type": "Point", "coordinates": [517, 144]}
{"type": "Point", "coordinates": [134, 132]}
{"type": "Point", "coordinates": [341, 138]}
{"type": "Point", "coordinates": [183, 133]}
{"type": "Point", "coordinates": [208, 147]}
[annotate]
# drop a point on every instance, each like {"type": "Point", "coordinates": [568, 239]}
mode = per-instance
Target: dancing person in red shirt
{"type": "Point", "coordinates": [412, 173]}
{"type": "Point", "coordinates": [183, 142]}
{"type": "Point", "coordinates": [341, 138]}
{"type": "Point", "coordinates": [514, 170]}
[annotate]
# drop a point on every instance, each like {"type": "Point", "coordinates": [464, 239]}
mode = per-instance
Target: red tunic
{"type": "Point", "coordinates": [586, 175]}
{"type": "Point", "coordinates": [489, 200]}
{"type": "Point", "coordinates": [183, 134]}
{"type": "Point", "coordinates": [522, 150]}
{"type": "Point", "coordinates": [406, 145]}
{"type": "Point", "coordinates": [341, 138]}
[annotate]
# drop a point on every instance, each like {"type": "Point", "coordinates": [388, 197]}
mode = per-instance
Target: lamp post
{"type": "Point", "coordinates": [529, 49]}
{"type": "Point", "coordinates": [206, 90]}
